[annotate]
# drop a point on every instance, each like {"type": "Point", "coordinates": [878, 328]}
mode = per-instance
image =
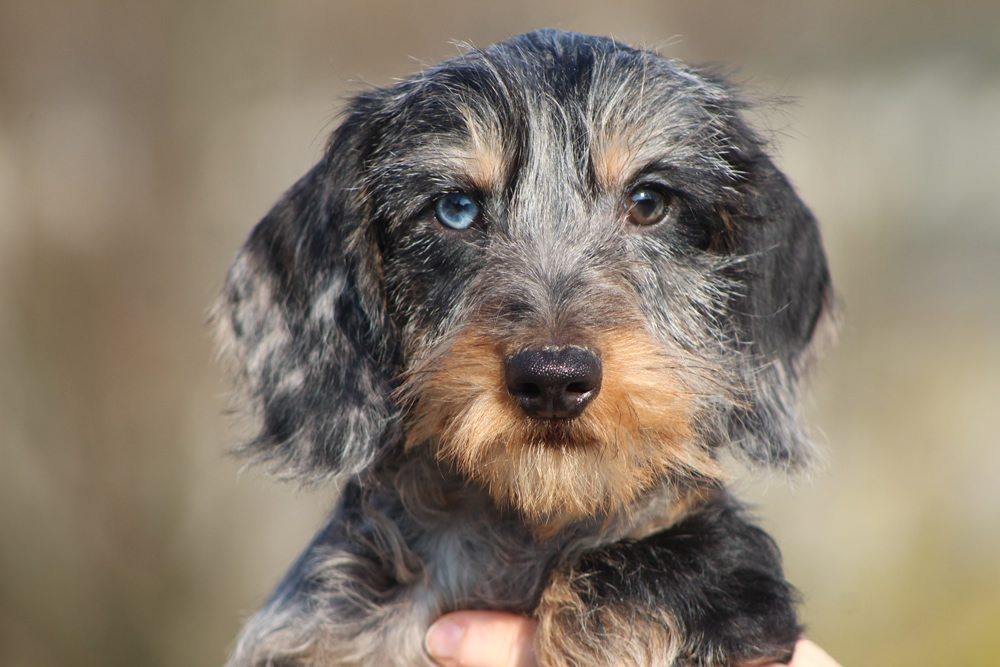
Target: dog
{"type": "Point", "coordinates": [520, 311]}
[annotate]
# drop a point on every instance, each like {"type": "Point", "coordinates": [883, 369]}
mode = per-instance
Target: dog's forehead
{"type": "Point", "coordinates": [594, 107]}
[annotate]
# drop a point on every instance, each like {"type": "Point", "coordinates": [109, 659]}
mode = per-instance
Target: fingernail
{"type": "Point", "coordinates": [443, 639]}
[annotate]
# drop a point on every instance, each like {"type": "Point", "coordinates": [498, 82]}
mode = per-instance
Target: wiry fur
{"type": "Point", "coordinates": [372, 342]}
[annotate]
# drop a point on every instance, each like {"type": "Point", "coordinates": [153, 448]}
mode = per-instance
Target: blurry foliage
{"type": "Point", "coordinates": [140, 141]}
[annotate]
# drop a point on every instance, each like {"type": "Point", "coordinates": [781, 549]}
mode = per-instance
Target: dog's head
{"type": "Point", "coordinates": [562, 266]}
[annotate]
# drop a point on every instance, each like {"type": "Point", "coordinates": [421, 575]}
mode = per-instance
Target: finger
{"type": "Point", "coordinates": [482, 639]}
{"type": "Point", "coordinates": [808, 654]}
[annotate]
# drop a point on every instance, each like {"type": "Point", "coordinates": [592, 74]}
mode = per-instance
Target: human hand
{"type": "Point", "coordinates": [482, 639]}
{"type": "Point", "coordinates": [495, 639]}
{"type": "Point", "coordinates": [808, 654]}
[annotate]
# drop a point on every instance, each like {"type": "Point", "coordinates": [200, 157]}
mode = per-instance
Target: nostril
{"type": "Point", "coordinates": [526, 389]}
{"type": "Point", "coordinates": [554, 383]}
{"type": "Point", "coordinates": [522, 376]}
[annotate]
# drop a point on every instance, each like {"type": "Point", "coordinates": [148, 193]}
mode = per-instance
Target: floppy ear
{"type": "Point", "coordinates": [302, 315]}
{"type": "Point", "coordinates": [785, 312]}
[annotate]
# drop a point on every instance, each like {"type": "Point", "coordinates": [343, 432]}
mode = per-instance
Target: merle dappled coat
{"type": "Point", "coordinates": [519, 309]}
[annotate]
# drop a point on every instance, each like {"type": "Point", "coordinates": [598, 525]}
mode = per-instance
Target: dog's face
{"type": "Point", "coordinates": [562, 267]}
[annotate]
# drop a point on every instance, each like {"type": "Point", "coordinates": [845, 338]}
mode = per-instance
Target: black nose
{"type": "Point", "coordinates": [554, 383]}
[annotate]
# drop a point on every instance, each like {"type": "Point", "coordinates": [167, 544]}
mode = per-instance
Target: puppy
{"type": "Point", "coordinates": [518, 311]}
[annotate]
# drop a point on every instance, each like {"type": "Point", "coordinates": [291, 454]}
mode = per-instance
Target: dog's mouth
{"type": "Point", "coordinates": [561, 435]}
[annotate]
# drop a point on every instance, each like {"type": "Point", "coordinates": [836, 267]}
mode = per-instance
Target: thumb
{"type": "Point", "coordinates": [482, 639]}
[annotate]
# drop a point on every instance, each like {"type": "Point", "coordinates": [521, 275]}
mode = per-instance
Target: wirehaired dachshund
{"type": "Point", "coordinates": [518, 312]}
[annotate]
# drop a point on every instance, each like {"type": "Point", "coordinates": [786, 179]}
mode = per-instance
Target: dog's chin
{"type": "Point", "coordinates": [555, 475]}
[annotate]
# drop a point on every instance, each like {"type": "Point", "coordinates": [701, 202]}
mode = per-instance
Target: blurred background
{"type": "Point", "coordinates": [140, 141]}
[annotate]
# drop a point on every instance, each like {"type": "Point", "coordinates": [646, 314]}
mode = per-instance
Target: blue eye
{"type": "Point", "coordinates": [457, 210]}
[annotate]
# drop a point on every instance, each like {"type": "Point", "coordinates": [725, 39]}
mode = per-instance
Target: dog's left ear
{"type": "Point", "coordinates": [786, 312]}
{"type": "Point", "coordinates": [302, 315]}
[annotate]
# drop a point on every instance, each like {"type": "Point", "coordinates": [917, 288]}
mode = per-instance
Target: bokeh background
{"type": "Point", "coordinates": [139, 141]}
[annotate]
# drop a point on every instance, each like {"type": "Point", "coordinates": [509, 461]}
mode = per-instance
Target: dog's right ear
{"type": "Point", "coordinates": [302, 317]}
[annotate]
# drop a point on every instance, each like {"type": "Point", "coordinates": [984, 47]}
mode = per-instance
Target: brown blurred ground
{"type": "Point", "coordinates": [139, 141]}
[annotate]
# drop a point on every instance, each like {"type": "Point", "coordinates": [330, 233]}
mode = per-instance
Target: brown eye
{"type": "Point", "coordinates": [646, 206]}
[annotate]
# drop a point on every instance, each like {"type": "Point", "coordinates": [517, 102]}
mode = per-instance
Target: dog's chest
{"type": "Point", "coordinates": [464, 564]}
{"type": "Point", "coordinates": [476, 563]}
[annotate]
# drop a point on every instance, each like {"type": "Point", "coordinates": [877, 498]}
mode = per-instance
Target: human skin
{"type": "Point", "coordinates": [495, 639]}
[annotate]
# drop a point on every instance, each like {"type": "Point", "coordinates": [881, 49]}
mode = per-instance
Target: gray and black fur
{"type": "Point", "coordinates": [527, 409]}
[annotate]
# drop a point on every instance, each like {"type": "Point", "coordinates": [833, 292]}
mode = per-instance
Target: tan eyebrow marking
{"type": "Point", "coordinates": [479, 158]}
{"type": "Point", "coordinates": [486, 162]}
{"type": "Point", "coordinates": [612, 160]}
